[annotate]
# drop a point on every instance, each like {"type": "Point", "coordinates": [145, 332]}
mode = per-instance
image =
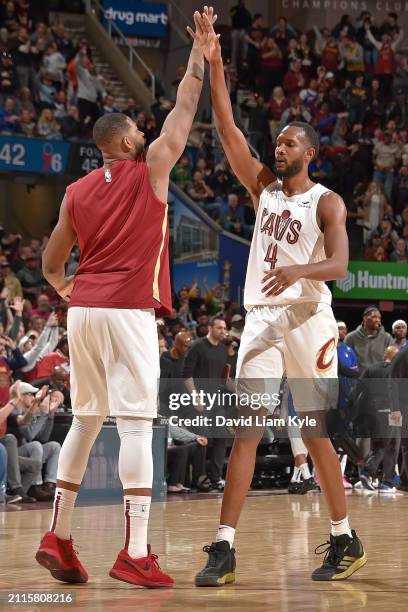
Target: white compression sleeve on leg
{"type": "Point", "coordinates": [135, 456]}
{"type": "Point", "coordinates": [75, 450]}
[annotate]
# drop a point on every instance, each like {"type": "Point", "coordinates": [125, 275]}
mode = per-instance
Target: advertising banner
{"type": "Point", "coordinates": [137, 18]}
{"type": "Point", "coordinates": [371, 280]}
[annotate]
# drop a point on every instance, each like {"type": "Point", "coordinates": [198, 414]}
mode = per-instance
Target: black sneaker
{"type": "Point", "coordinates": [294, 488]}
{"type": "Point", "coordinates": [220, 567]}
{"type": "Point", "coordinates": [13, 498]}
{"type": "Point", "coordinates": [344, 556]}
{"type": "Point", "coordinates": [308, 485]}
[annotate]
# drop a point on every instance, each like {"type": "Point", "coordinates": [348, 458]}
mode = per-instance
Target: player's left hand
{"type": "Point", "coordinates": [277, 280]}
{"type": "Point", "coordinates": [66, 289]}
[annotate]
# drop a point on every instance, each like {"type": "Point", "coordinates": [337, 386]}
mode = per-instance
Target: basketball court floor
{"type": "Point", "coordinates": [275, 555]}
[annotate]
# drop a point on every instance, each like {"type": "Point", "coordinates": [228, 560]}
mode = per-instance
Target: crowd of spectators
{"type": "Point", "coordinates": [350, 82]}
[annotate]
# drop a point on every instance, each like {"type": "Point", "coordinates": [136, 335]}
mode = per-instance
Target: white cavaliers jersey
{"type": "Point", "coordinates": [286, 234]}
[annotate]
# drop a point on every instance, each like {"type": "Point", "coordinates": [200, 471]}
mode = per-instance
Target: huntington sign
{"type": "Point", "coordinates": [373, 280]}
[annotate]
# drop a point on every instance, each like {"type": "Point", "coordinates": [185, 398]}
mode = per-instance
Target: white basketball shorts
{"type": "Point", "coordinates": [114, 359]}
{"type": "Point", "coordinates": [301, 339]}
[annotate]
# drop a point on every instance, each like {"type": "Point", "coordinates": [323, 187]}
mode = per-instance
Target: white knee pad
{"type": "Point", "coordinates": [135, 456]}
{"type": "Point", "coordinates": [77, 445]}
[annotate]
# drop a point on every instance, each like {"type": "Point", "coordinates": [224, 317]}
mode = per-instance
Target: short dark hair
{"type": "Point", "coordinates": [214, 319]}
{"type": "Point", "coordinates": [257, 16]}
{"type": "Point", "coordinates": [108, 126]}
{"type": "Point", "coordinates": [370, 309]}
{"type": "Point", "coordinates": [310, 134]}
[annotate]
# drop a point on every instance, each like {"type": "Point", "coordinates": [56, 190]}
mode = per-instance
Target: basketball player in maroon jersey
{"type": "Point", "coordinates": [299, 242]}
{"type": "Point", "coordinates": [118, 216]}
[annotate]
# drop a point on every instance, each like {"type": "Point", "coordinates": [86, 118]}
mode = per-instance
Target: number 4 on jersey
{"type": "Point", "coordinates": [272, 255]}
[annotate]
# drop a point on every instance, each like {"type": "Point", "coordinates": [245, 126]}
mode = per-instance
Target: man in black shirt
{"type": "Point", "coordinates": [240, 22]}
{"type": "Point", "coordinates": [398, 389]}
{"type": "Point", "coordinates": [375, 411]}
{"type": "Point", "coordinates": [204, 371]}
{"type": "Point", "coordinates": [171, 370]}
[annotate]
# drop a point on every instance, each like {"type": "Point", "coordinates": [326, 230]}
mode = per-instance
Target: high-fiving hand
{"type": "Point", "coordinates": [204, 36]}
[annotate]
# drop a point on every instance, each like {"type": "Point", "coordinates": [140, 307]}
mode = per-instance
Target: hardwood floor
{"type": "Point", "coordinates": [275, 555]}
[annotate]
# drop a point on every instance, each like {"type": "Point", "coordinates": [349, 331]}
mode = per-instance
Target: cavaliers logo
{"type": "Point", "coordinates": [325, 355]}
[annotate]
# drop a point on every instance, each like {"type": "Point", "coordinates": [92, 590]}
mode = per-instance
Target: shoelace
{"type": "Point", "coordinates": [154, 558]}
{"type": "Point", "coordinates": [330, 554]}
{"type": "Point", "coordinates": [71, 542]}
{"type": "Point", "coordinates": [211, 550]}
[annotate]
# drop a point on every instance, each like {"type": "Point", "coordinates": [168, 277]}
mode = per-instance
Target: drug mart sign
{"type": "Point", "coordinates": [137, 18]}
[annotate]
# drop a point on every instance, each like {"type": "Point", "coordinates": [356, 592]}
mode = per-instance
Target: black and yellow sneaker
{"type": "Point", "coordinates": [220, 567]}
{"type": "Point", "coordinates": [344, 556]}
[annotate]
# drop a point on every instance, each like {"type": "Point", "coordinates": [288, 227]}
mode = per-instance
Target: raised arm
{"type": "Point", "coordinates": [250, 171]}
{"type": "Point", "coordinates": [164, 152]}
{"type": "Point", "coordinates": [57, 253]}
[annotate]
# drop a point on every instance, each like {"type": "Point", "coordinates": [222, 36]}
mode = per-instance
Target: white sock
{"type": "Point", "coordinates": [295, 475]}
{"type": "Point", "coordinates": [343, 464]}
{"type": "Point", "coordinates": [340, 527]}
{"type": "Point", "coordinates": [397, 469]}
{"type": "Point", "coordinates": [137, 510]}
{"type": "Point", "coordinates": [64, 503]}
{"type": "Point", "coordinates": [225, 533]}
{"type": "Point", "coordinates": [304, 468]}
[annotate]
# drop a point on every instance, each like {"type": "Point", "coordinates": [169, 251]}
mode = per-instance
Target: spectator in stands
{"type": "Point", "coordinates": [294, 81]}
{"type": "Point", "coordinates": [46, 89]}
{"type": "Point", "coordinates": [131, 110]}
{"type": "Point", "coordinates": [8, 76]}
{"type": "Point", "coordinates": [369, 340]}
{"type": "Point", "coordinates": [35, 348]}
{"type": "Point", "coordinates": [386, 156]}
{"type": "Point", "coordinates": [282, 32]}
{"type": "Point", "coordinates": [295, 112]}
{"type": "Point", "coordinates": [11, 282]}
{"type": "Point", "coordinates": [399, 331]}
{"type": "Point", "coordinates": [203, 369]}
{"type": "Point", "coordinates": [375, 408]}
{"type": "Point", "coordinates": [171, 370]}
{"type": "Point", "coordinates": [24, 102]}
{"type": "Point", "coordinates": [186, 449]}
{"type": "Point", "coordinates": [277, 105]}
{"type": "Point", "coordinates": [60, 357]}
{"type": "Point", "coordinates": [232, 216]}
{"type": "Point", "coordinates": [258, 113]}
{"type": "Point", "coordinates": [64, 42]}
{"type": "Point", "coordinates": [60, 105]}
{"type": "Point", "coordinates": [255, 38]}
{"type": "Point", "coordinates": [22, 472]}
{"type": "Point", "coordinates": [327, 48]}
{"type": "Point", "coordinates": [25, 55]}
{"type": "Point", "coordinates": [9, 119]}
{"type": "Point", "coordinates": [181, 173]}
{"type": "Point", "coordinates": [240, 22]}
{"type": "Point", "coordinates": [55, 64]}
{"type": "Point", "coordinates": [399, 254]}
{"type": "Point", "coordinates": [10, 23]}
{"type": "Point", "coordinates": [71, 127]}
{"type": "Point", "coordinates": [31, 278]}
{"type": "Point", "coordinates": [47, 126]}
{"type": "Point", "coordinates": [108, 106]}
{"type": "Point", "coordinates": [89, 87]}
{"type": "Point", "coordinates": [57, 383]}
{"type": "Point", "coordinates": [271, 66]}
{"type": "Point", "coordinates": [385, 65]}
{"type": "Point", "coordinates": [26, 431]}
{"type": "Point", "coordinates": [199, 191]}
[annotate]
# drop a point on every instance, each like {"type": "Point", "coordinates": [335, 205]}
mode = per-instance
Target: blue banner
{"type": "Point", "coordinates": [33, 155]}
{"type": "Point", "coordinates": [137, 18]}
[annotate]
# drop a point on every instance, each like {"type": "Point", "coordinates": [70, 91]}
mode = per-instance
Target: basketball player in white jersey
{"type": "Point", "coordinates": [299, 242]}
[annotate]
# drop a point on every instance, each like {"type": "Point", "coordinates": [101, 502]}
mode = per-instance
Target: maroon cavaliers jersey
{"type": "Point", "coordinates": [122, 231]}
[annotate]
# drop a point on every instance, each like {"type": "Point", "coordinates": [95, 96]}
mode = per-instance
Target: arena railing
{"type": "Point", "coordinates": [94, 7]}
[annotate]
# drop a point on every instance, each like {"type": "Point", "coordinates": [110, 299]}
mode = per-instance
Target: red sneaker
{"type": "Point", "coordinates": [60, 558]}
{"type": "Point", "coordinates": [144, 572]}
